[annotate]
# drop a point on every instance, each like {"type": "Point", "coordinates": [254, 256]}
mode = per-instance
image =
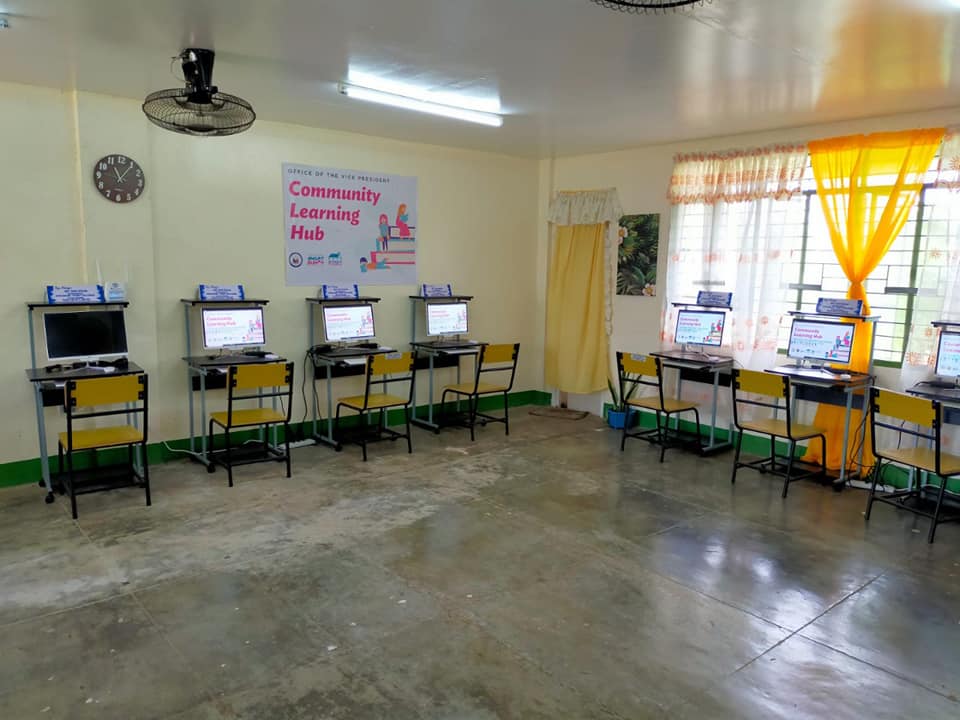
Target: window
{"type": "Point", "coordinates": [902, 290]}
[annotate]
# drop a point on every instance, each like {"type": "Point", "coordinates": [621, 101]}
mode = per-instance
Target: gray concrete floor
{"type": "Point", "coordinates": [544, 575]}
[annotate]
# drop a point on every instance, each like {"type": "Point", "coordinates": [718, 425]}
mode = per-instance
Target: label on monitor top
{"type": "Point", "coordinates": [433, 291]}
{"type": "Point", "coordinates": [220, 292]}
{"type": "Point", "coordinates": [840, 307]}
{"type": "Point", "coordinates": [710, 298]}
{"type": "Point", "coordinates": [66, 294]}
{"type": "Point", "coordinates": [339, 292]}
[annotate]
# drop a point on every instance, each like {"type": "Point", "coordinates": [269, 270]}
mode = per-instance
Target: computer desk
{"type": "Point", "coordinates": [48, 391]}
{"type": "Point", "coordinates": [328, 360]}
{"type": "Point", "coordinates": [825, 386]}
{"type": "Point", "coordinates": [716, 365]}
{"type": "Point", "coordinates": [204, 367]}
{"type": "Point", "coordinates": [948, 397]}
{"type": "Point", "coordinates": [432, 350]}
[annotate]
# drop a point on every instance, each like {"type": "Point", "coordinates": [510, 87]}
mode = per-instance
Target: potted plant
{"type": "Point", "coordinates": [620, 413]}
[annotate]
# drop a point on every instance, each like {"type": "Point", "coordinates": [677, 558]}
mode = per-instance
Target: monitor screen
{"type": "Point", "coordinates": [446, 318]}
{"type": "Point", "coordinates": [696, 327]}
{"type": "Point", "coordinates": [821, 340]}
{"type": "Point", "coordinates": [84, 335]}
{"type": "Point", "coordinates": [948, 354]}
{"type": "Point", "coordinates": [232, 327]}
{"type": "Point", "coordinates": [347, 322]}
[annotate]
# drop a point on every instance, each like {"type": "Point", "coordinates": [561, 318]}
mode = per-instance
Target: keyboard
{"type": "Point", "coordinates": [935, 392]}
{"type": "Point", "coordinates": [694, 356]}
{"type": "Point", "coordinates": [358, 352]}
{"type": "Point", "coordinates": [452, 344]}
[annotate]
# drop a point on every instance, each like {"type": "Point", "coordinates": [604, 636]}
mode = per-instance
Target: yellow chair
{"type": "Point", "coordinates": [259, 381]}
{"type": "Point", "coordinates": [383, 369]}
{"type": "Point", "coordinates": [926, 416]}
{"type": "Point", "coordinates": [92, 393]}
{"type": "Point", "coordinates": [492, 359]}
{"type": "Point", "coordinates": [776, 390]}
{"type": "Point", "coordinates": [636, 371]}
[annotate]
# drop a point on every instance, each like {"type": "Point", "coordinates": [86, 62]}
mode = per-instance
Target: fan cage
{"type": "Point", "coordinates": [178, 111]}
{"type": "Point", "coordinates": [649, 6]}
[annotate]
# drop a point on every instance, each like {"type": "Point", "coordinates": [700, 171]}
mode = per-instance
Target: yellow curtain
{"type": "Point", "coordinates": [867, 185]}
{"type": "Point", "coordinates": [576, 341]}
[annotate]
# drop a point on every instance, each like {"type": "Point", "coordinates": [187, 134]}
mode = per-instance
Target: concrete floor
{"type": "Point", "coordinates": [545, 575]}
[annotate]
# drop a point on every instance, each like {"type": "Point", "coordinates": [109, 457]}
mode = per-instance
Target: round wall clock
{"type": "Point", "coordinates": [118, 178]}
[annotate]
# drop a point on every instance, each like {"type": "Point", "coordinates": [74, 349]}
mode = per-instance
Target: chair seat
{"type": "Point", "coordinates": [374, 402]}
{"type": "Point", "coordinates": [778, 428]}
{"type": "Point", "coordinates": [482, 388]}
{"type": "Point", "coordinates": [669, 404]}
{"type": "Point", "coordinates": [923, 458]}
{"type": "Point", "coordinates": [250, 416]}
{"type": "Point", "coordinates": [103, 437]}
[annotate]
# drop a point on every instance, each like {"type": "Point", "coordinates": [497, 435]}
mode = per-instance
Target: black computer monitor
{"type": "Point", "coordinates": [700, 327]}
{"type": "Point", "coordinates": [446, 319]}
{"type": "Point", "coordinates": [348, 322]}
{"type": "Point", "coordinates": [85, 335]}
{"type": "Point", "coordinates": [948, 355]}
{"type": "Point", "coordinates": [827, 341]}
{"type": "Point", "coordinates": [232, 327]}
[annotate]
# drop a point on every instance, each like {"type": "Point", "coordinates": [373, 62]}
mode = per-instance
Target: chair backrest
{"type": "Point", "coordinates": [908, 415]}
{"type": "Point", "coordinates": [495, 359]}
{"type": "Point", "coordinates": [268, 380]}
{"type": "Point", "coordinates": [635, 370]}
{"type": "Point", "coordinates": [386, 368]}
{"type": "Point", "coordinates": [92, 393]}
{"type": "Point", "coordinates": [763, 384]}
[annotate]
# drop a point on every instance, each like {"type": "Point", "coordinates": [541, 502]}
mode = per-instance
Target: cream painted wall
{"type": "Point", "coordinates": [212, 212]}
{"type": "Point", "coordinates": [642, 176]}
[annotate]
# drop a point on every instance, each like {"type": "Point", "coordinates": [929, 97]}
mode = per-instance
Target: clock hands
{"type": "Point", "coordinates": [121, 177]}
{"type": "Point", "coordinates": [117, 173]}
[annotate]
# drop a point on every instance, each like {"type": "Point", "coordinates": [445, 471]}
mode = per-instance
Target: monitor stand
{"type": "Point", "coordinates": [688, 349]}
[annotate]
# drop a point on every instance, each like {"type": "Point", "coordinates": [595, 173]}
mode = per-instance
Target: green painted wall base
{"type": "Point", "coordinates": [23, 472]}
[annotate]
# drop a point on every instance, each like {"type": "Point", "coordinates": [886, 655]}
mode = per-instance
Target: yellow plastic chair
{"type": "Point", "coordinates": [492, 359]}
{"type": "Point", "coordinates": [776, 390]}
{"type": "Point", "coordinates": [635, 371]}
{"type": "Point", "coordinates": [90, 394]}
{"type": "Point", "coordinates": [923, 420]}
{"type": "Point", "coordinates": [383, 369]}
{"type": "Point", "coordinates": [259, 381]}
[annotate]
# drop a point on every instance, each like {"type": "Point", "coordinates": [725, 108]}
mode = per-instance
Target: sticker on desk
{"type": "Point", "coordinates": [393, 355]}
{"type": "Point", "coordinates": [432, 291]}
{"type": "Point", "coordinates": [710, 298]}
{"type": "Point", "coordinates": [637, 357]}
{"type": "Point", "coordinates": [339, 292]}
{"type": "Point", "coordinates": [841, 307]}
{"type": "Point", "coordinates": [220, 292]}
{"type": "Point", "coordinates": [59, 294]}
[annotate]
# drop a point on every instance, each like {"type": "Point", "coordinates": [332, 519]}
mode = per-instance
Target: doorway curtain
{"type": "Point", "coordinates": [580, 289]}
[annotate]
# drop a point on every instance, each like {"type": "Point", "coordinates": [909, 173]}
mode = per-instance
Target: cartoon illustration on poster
{"type": "Point", "coordinates": [349, 226]}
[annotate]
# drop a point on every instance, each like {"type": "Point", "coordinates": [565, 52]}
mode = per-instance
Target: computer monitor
{"type": "Point", "coordinates": [348, 322]}
{"type": "Point", "coordinates": [85, 335]}
{"type": "Point", "coordinates": [822, 340]}
{"type": "Point", "coordinates": [699, 327]}
{"type": "Point", "coordinates": [948, 355]}
{"type": "Point", "coordinates": [446, 319]}
{"type": "Point", "coordinates": [232, 327]}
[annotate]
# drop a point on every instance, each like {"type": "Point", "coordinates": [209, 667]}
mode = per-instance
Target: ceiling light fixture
{"type": "Point", "coordinates": [648, 6]}
{"type": "Point", "coordinates": [425, 106]}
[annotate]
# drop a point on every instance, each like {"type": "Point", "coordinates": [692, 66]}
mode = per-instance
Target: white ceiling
{"type": "Point", "coordinates": [571, 76]}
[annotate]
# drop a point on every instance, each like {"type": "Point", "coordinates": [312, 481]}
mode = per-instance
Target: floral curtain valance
{"type": "Point", "coordinates": [585, 207]}
{"type": "Point", "coordinates": [740, 176]}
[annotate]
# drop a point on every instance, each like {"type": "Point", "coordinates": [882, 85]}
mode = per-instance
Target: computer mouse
{"type": "Point", "coordinates": [845, 376]}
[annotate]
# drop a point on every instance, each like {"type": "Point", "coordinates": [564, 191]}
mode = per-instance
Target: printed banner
{"type": "Point", "coordinates": [74, 294]}
{"type": "Point", "coordinates": [346, 227]}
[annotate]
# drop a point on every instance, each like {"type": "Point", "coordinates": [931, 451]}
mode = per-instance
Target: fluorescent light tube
{"type": "Point", "coordinates": [407, 103]}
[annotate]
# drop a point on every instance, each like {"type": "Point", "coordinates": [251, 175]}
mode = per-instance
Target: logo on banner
{"type": "Point", "coordinates": [296, 259]}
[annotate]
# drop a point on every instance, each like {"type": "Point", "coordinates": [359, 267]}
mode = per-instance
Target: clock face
{"type": "Point", "coordinates": [118, 178]}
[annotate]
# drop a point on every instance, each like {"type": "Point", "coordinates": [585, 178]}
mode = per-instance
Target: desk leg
{"type": "Point", "coordinates": [713, 410]}
{"type": "Point", "coordinates": [193, 432]}
{"type": "Point", "coordinates": [429, 423]}
{"type": "Point", "coordinates": [42, 435]}
{"type": "Point", "coordinates": [841, 481]}
{"type": "Point", "coordinates": [203, 414]}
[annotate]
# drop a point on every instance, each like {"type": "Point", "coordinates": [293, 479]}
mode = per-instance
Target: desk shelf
{"type": "Point", "coordinates": [247, 301]}
{"type": "Point", "coordinates": [113, 303]}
